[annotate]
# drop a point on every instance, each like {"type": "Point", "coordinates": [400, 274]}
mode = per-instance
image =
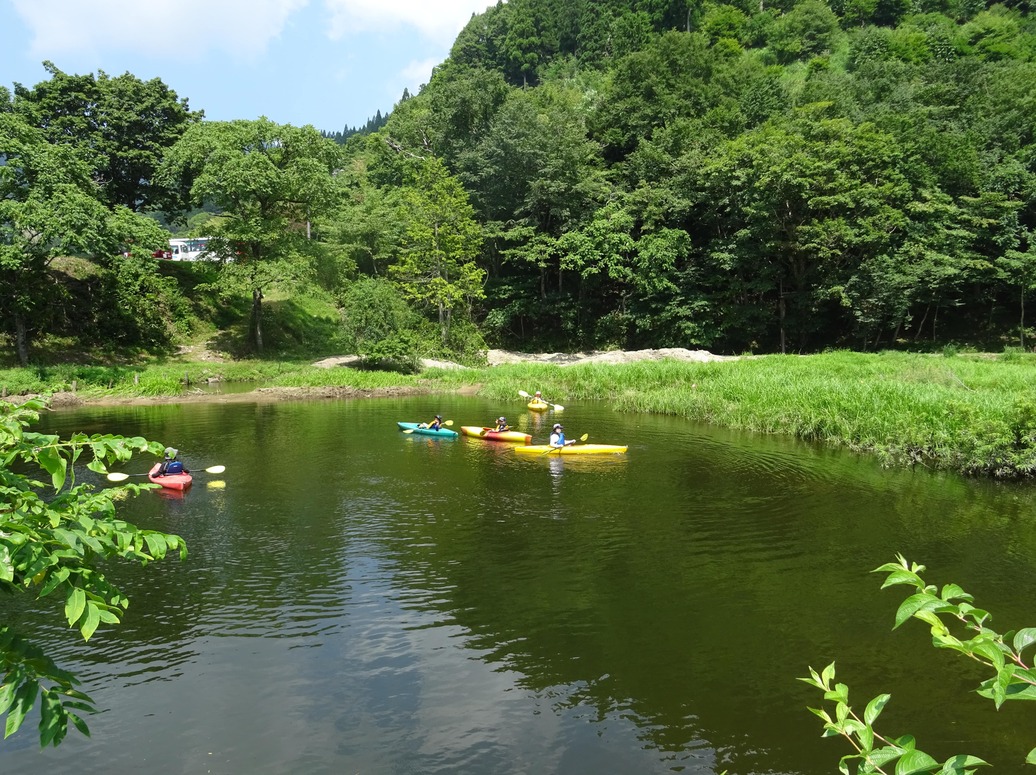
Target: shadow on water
{"type": "Point", "coordinates": [361, 599]}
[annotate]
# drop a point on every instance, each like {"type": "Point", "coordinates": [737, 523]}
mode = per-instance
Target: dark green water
{"type": "Point", "coordinates": [359, 600]}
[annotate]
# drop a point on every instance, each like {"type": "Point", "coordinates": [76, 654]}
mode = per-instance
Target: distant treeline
{"type": "Point", "coordinates": [736, 176]}
{"type": "Point", "coordinates": [372, 125]}
{"type": "Point", "coordinates": [744, 175]}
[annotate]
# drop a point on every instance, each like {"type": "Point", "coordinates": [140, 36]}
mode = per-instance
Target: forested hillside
{"type": "Point", "coordinates": [739, 177]}
{"type": "Point", "coordinates": [743, 176]}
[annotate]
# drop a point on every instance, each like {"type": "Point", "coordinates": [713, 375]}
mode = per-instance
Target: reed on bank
{"type": "Point", "coordinates": [974, 416]}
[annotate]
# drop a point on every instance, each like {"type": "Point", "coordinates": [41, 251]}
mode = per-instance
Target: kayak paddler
{"type": "Point", "coordinates": [557, 437]}
{"type": "Point", "coordinates": [170, 465]}
{"type": "Point", "coordinates": [501, 425]}
{"type": "Point", "coordinates": [435, 424]}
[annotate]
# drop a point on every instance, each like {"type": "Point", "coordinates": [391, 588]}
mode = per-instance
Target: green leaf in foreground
{"type": "Point", "coordinates": [61, 542]}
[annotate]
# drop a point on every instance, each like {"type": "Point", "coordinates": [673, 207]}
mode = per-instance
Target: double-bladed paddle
{"type": "Point", "coordinates": [556, 407]}
{"type": "Point", "coordinates": [121, 477]}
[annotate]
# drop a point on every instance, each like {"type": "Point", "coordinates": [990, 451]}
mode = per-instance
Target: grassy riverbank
{"type": "Point", "coordinates": [975, 416]}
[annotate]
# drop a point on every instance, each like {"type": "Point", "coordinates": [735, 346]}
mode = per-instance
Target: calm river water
{"type": "Point", "coordinates": [358, 600]}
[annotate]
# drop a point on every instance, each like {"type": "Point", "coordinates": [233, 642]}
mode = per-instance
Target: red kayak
{"type": "Point", "coordinates": [170, 481]}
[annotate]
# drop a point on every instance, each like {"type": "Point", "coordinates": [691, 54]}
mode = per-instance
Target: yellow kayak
{"type": "Point", "coordinates": [575, 449]}
{"type": "Point", "coordinates": [538, 406]}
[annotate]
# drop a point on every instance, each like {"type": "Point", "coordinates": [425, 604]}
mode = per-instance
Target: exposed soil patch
{"type": "Point", "coordinates": [498, 357]}
{"type": "Point", "coordinates": [494, 358]}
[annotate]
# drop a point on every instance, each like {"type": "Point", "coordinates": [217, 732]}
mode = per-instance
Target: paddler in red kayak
{"type": "Point", "coordinates": [170, 465]}
{"type": "Point", "coordinates": [501, 425]}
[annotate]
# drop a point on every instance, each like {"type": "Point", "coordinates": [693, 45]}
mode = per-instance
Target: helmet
{"type": "Point", "coordinates": [558, 426]}
{"type": "Point", "coordinates": [171, 452]}
{"type": "Point", "coordinates": [502, 419]}
{"type": "Point", "coordinates": [438, 417]}
{"type": "Point", "coordinates": [537, 394]}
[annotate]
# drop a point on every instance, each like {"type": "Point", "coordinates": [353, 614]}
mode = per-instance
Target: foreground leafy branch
{"type": "Point", "coordinates": [1013, 677]}
{"type": "Point", "coordinates": [55, 538]}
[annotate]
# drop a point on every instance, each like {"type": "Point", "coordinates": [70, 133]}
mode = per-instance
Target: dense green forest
{"type": "Point", "coordinates": [746, 176]}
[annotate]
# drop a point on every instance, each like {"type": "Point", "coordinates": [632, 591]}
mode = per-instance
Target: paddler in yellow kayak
{"type": "Point", "coordinates": [557, 437]}
{"type": "Point", "coordinates": [501, 425]}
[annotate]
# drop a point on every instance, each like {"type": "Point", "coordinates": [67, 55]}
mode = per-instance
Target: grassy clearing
{"type": "Point", "coordinates": [968, 416]}
{"type": "Point", "coordinates": [971, 415]}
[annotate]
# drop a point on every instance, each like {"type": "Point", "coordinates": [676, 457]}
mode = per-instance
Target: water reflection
{"type": "Point", "coordinates": [360, 599]}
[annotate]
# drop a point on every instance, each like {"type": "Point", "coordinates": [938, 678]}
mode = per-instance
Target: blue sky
{"type": "Point", "coordinates": [329, 63]}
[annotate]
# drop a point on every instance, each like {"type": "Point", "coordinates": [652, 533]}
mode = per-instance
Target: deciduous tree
{"type": "Point", "coordinates": [269, 181]}
{"type": "Point", "coordinates": [59, 537]}
{"type": "Point", "coordinates": [436, 266]}
{"type": "Point", "coordinates": [49, 207]}
{"type": "Point", "coordinates": [120, 125]}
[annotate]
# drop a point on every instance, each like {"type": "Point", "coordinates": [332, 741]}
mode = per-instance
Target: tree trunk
{"type": "Point", "coordinates": [782, 311]}
{"type": "Point", "coordinates": [257, 324]}
{"type": "Point", "coordinates": [920, 326]}
{"type": "Point", "coordinates": [21, 339]}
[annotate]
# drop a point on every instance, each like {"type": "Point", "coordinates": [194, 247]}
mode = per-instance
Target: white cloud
{"type": "Point", "coordinates": [439, 20]}
{"type": "Point", "coordinates": [416, 74]}
{"type": "Point", "coordinates": [174, 28]}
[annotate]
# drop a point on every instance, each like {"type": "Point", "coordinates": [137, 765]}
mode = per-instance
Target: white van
{"type": "Point", "coordinates": [190, 249]}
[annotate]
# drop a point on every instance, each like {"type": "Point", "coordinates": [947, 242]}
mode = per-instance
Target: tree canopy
{"type": "Point", "coordinates": [268, 182]}
{"type": "Point", "coordinates": [737, 176]}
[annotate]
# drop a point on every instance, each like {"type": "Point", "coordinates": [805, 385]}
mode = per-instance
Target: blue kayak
{"type": "Point", "coordinates": [445, 433]}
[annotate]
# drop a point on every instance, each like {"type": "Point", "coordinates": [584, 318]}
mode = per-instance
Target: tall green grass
{"type": "Point", "coordinates": [968, 415]}
{"type": "Point", "coordinates": [972, 415]}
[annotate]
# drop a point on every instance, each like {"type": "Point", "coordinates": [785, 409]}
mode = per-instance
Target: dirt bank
{"type": "Point", "coordinates": [497, 357]}
{"type": "Point", "coordinates": [257, 396]}
{"type": "Point", "coordinates": [493, 357]}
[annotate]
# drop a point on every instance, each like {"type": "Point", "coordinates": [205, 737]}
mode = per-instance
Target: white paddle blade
{"type": "Point", "coordinates": [116, 477]}
{"type": "Point", "coordinates": [558, 408]}
{"type": "Point", "coordinates": [523, 394]}
{"type": "Point", "coordinates": [215, 470]}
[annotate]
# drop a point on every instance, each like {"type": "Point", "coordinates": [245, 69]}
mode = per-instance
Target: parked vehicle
{"type": "Point", "coordinates": [190, 249]}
